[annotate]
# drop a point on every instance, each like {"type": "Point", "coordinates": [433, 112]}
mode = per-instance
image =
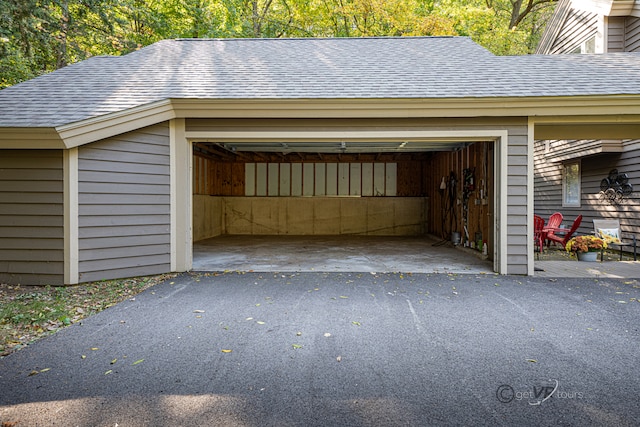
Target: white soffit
{"type": "Point", "coordinates": [606, 7]}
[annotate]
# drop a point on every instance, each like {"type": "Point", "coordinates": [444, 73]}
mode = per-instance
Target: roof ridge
{"type": "Point", "coordinates": [271, 39]}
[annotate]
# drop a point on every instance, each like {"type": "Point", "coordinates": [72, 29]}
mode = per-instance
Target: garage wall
{"type": "Point", "coordinates": [31, 217]}
{"type": "Point", "coordinates": [124, 205]}
{"type": "Point", "coordinates": [397, 216]}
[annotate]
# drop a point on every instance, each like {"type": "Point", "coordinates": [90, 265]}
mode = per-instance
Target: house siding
{"type": "Point", "coordinates": [578, 27]}
{"type": "Point", "coordinates": [548, 189]}
{"type": "Point", "coordinates": [32, 217]}
{"type": "Point", "coordinates": [517, 179]}
{"type": "Point", "coordinates": [124, 205]}
{"type": "Point", "coordinates": [623, 35]}
{"type": "Point", "coordinates": [632, 34]}
{"type": "Point", "coordinates": [616, 37]}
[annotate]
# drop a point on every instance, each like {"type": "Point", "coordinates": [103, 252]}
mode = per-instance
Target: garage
{"type": "Point", "coordinates": [376, 183]}
{"type": "Point", "coordinates": [114, 167]}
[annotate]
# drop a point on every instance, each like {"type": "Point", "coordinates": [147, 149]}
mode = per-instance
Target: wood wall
{"type": "Point", "coordinates": [448, 207]}
{"type": "Point", "coordinates": [215, 176]}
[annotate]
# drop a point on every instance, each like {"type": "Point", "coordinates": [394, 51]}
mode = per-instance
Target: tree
{"type": "Point", "coordinates": [39, 36]}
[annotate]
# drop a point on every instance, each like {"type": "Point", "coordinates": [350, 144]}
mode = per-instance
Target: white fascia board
{"type": "Point", "coordinates": [98, 128]}
{"type": "Point", "coordinates": [605, 7]}
{"type": "Point", "coordinates": [410, 108]}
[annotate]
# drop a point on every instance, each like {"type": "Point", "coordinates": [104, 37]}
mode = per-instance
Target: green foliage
{"type": "Point", "coordinates": [39, 36]}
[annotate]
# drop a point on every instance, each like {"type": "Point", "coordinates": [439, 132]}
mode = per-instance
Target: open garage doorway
{"type": "Point", "coordinates": [411, 206]}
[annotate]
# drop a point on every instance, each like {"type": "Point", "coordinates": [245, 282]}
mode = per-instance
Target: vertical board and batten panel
{"type": "Point", "coordinates": [343, 179]}
{"type": "Point", "coordinates": [332, 179]}
{"type": "Point", "coordinates": [577, 28]}
{"type": "Point", "coordinates": [261, 179]}
{"type": "Point", "coordinates": [285, 179]}
{"type": "Point", "coordinates": [355, 179]}
{"type": "Point", "coordinates": [632, 34]}
{"type": "Point", "coordinates": [367, 179]}
{"type": "Point", "coordinates": [32, 217]}
{"type": "Point", "coordinates": [124, 205]}
{"type": "Point", "coordinates": [296, 179]}
{"type": "Point", "coordinates": [321, 180]}
{"type": "Point", "coordinates": [273, 179]}
{"type": "Point", "coordinates": [308, 179]}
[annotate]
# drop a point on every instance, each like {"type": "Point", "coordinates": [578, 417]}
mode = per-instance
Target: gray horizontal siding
{"type": "Point", "coordinates": [124, 206]}
{"type": "Point", "coordinates": [616, 34]}
{"type": "Point", "coordinates": [548, 189]}
{"type": "Point", "coordinates": [578, 27]}
{"type": "Point", "coordinates": [31, 217]}
{"type": "Point", "coordinates": [517, 184]}
{"type": "Point", "coordinates": [632, 34]}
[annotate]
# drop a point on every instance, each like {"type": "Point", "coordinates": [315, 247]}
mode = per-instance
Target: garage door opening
{"type": "Point", "coordinates": [343, 206]}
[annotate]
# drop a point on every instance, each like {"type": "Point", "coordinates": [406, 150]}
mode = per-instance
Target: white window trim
{"type": "Point", "coordinates": [566, 204]}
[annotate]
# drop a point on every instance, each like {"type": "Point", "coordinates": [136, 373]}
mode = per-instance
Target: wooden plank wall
{"type": "Point", "coordinates": [227, 178]}
{"type": "Point", "coordinates": [446, 207]}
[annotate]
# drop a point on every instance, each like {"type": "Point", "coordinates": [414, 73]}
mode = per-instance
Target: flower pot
{"type": "Point", "coordinates": [588, 256]}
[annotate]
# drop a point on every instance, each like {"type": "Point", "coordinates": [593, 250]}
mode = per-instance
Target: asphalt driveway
{"type": "Point", "coordinates": [320, 349]}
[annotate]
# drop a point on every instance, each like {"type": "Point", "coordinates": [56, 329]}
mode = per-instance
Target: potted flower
{"type": "Point", "coordinates": [586, 248]}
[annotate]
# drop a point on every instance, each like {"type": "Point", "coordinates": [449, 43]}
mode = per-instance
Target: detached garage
{"type": "Point", "coordinates": [114, 166]}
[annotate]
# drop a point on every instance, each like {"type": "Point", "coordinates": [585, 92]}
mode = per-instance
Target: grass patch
{"type": "Point", "coordinates": [31, 312]}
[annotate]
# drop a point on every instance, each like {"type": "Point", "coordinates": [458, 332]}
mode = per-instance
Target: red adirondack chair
{"type": "Point", "coordinates": [564, 239]}
{"type": "Point", "coordinates": [554, 222]}
{"type": "Point", "coordinates": [538, 234]}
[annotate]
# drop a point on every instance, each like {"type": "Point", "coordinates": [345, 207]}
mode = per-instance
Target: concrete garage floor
{"type": "Point", "coordinates": [382, 254]}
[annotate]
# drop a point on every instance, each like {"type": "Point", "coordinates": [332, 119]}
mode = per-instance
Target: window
{"type": "Point", "coordinates": [587, 46]}
{"type": "Point", "coordinates": [571, 184]}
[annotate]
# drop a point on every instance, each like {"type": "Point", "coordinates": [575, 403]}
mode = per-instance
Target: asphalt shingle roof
{"type": "Point", "coordinates": [362, 68]}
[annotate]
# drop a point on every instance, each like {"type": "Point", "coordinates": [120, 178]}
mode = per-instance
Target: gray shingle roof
{"type": "Point", "coordinates": [363, 68]}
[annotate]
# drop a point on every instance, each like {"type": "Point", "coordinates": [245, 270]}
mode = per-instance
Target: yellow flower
{"type": "Point", "coordinates": [585, 244]}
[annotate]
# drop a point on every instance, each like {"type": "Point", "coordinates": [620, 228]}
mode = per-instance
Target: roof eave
{"type": "Point", "coordinates": [608, 108]}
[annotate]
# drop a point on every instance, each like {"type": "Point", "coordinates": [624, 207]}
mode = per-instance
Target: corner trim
{"type": "Point", "coordinates": [71, 214]}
